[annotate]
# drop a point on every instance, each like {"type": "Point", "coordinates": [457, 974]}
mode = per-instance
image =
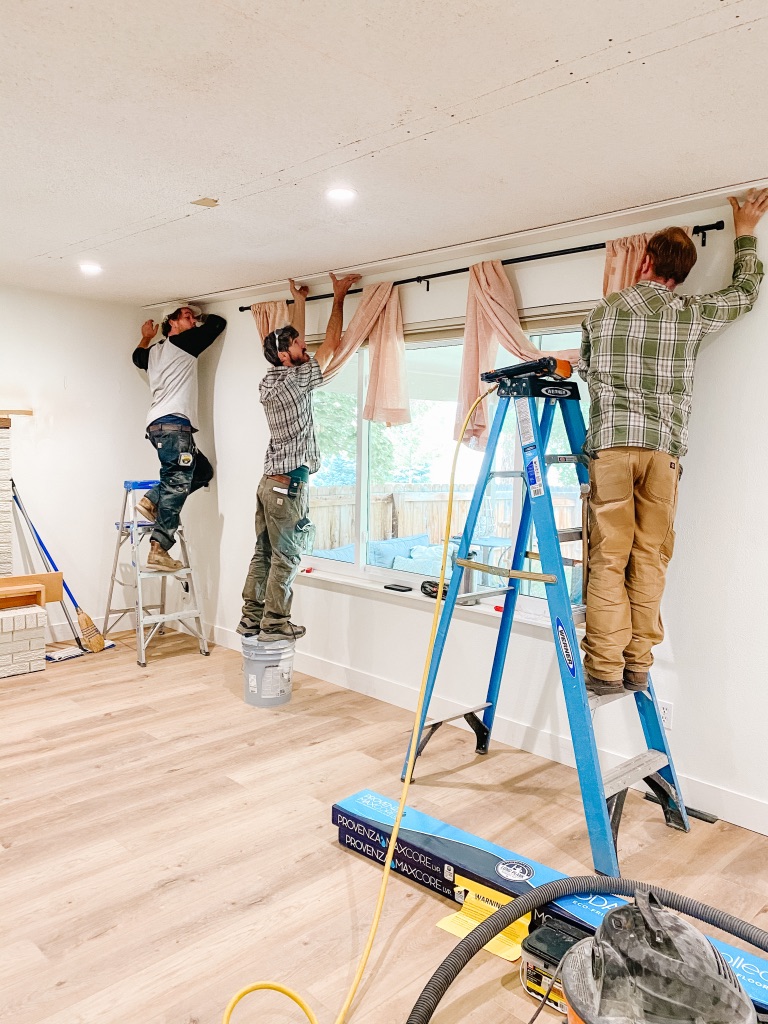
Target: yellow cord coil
{"type": "Point", "coordinates": [283, 989]}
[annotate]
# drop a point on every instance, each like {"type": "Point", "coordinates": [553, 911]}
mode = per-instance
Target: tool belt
{"type": "Point", "coordinates": [290, 482]}
{"type": "Point", "coordinates": [300, 475]}
{"type": "Point", "coordinates": [162, 428]}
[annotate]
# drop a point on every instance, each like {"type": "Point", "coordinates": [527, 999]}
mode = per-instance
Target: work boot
{"type": "Point", "coordinates": [635, 680]}
{"type": "Point", "coordinates": [160, 561]}
{"type": "Point", "coordinates": [288, 631]}
{"type": "Point", "coordinates": [147, 508]}
{"type": "Point", "coordinates": [603, 687]}
{"type": "Point", "coordinates": [248, 628]}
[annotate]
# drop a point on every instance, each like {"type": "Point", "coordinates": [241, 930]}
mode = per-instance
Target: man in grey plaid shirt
{"type": "Point", "coordinates": [282, 500]}
{"type": "Point", "coordinates": [638, 353]}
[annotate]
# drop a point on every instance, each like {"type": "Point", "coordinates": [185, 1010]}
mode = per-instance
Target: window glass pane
{"type": "Point", "coordinates": [332, 488]}
{"type": "Point", "coordinates": [410, 467]}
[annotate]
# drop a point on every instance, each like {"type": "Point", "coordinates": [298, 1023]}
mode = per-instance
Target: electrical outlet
{"type": "Point", "coordinates": [665, 710]}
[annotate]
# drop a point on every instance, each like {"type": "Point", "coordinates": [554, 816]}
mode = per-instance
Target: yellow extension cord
{"type": "Point", "coordinates": [283, 989]}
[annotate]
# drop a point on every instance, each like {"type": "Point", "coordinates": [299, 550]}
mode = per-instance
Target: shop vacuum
{"type": "Point", "coordinates": [645, 963]}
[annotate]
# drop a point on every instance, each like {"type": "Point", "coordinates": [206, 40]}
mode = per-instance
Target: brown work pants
{"type": "Point", "coordinates": [632, 506]}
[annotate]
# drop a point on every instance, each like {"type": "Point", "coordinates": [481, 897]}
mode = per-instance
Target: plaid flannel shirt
{"type": "Point", "coordinates": [638, 353]}
{"type": "Point", "coordinates": [286, 394]}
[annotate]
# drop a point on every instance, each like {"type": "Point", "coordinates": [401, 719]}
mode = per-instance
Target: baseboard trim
{"type": "Point", "coordinates": [736, 808]}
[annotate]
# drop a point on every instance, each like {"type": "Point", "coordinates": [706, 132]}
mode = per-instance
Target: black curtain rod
{"type": "Point", "coordinates": [700, 229]}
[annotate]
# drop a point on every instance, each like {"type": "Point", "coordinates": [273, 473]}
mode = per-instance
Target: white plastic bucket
{"type": "Point", "coordinates": [267, 672]}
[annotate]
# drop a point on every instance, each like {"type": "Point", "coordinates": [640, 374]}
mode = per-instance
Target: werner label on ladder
{"type": "Point", "coordinates": [603, 796]}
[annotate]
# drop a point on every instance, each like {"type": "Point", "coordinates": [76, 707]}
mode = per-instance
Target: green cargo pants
{"type": "Point", "coordinates": [268, 592]}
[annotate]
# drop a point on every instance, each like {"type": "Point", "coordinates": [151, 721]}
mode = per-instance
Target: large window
{"type": "Point", "coordinates": [333, 494]}
{"type": "Point", "coordinates": [380, 499]}
{"type": "Point", "coordinates": [410, 468]}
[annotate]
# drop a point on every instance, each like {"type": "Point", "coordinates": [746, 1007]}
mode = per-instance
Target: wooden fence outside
{"type": "Point", "coordinates": [414, 509]}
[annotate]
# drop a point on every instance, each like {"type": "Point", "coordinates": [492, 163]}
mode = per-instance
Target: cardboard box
{"type": "Point", "coordinates": [438, 856]}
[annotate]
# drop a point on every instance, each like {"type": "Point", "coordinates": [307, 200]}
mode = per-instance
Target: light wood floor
{"type": "Point", "coordinates": [162, 845]}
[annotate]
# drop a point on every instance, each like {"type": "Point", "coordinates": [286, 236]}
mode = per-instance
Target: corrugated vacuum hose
{"type": "Point", "coordinates": [463, 952]}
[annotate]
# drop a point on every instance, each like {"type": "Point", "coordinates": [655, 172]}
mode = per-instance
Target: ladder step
{"type": "Point", "coordinates": [508, 574]}
{"type": "Point", "coordinates": [569, 535]}
{"type": "Point", "coordinates": [192, 613]}
{"type": "Point", "coordinates": [459, 714]}
{"type": "Point", "coordinates": [159, 573]}
{"type": "Point", "coordinates": [596, 702]}
{"type": "Point", "coordinates": [629, 772]}
{"type": "Point", "coordinates": [557, 460]}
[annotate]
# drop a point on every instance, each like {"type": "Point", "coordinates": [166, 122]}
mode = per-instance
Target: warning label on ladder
{"type": "Point", "coordinates": [524, 422]}
{"type": "Point", "coordinates": [533, 470]}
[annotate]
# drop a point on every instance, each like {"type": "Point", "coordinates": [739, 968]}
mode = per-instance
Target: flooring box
{"type": "Point", "coordinates": [441, 857]}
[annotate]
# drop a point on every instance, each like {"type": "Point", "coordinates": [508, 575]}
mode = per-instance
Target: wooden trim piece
{"type": "Point", "coordinates": [50, 583]}
{"type": "Point", "coordinates": [22, 596]}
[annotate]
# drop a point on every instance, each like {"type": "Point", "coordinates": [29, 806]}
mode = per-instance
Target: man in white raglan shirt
{"type": "Point", "coordinates": [171, 366]}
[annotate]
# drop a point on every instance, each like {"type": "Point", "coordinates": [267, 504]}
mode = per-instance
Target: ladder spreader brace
{"type": "Point", "coordinates": [603, 796]}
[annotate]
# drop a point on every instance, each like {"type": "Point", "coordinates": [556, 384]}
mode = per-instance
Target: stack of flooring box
{"type": "Point", "coordinates": [22, 630]}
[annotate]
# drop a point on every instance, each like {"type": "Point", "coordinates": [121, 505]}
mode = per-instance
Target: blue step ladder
{"type": "Point", "coordinates": [151, 618]}
{"type": "Point", "coordinates": [603, 795]}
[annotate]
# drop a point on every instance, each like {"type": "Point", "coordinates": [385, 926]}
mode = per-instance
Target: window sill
{"type": "Point", "coordinates": [482, 612]}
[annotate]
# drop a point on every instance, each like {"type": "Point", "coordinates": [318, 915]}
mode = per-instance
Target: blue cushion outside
{"type": "Point", "coordinates": [384, 552]}
{"type": "Point", "coordinates": [342, 554]}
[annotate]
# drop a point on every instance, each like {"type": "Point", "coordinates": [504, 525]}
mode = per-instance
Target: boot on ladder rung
{"type": "Point", "coordinates": [133, 527]}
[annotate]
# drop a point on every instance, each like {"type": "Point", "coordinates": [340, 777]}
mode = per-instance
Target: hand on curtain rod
{"type": "Point", "coordinates": [700, 229]}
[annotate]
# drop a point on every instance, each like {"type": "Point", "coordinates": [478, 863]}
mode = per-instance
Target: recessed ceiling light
{"type": "Point", "coordinates": [91, 269]}
{"type": "Point", "coordinates": [341, 195]}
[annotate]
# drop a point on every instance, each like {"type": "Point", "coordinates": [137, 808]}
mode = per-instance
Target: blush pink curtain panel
{"type": "Point", "coordinates": [387, 398]}
{"type": "Point", "coordinates": [623, 257]}
{"type": "Point", "coordinates": [378, 318]}
{"type": "Point", "coordinates": [268, 316]}
{"type": "Point", "coordinates": [492, 318]}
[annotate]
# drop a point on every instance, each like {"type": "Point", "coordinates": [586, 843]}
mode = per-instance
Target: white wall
{"type": "Point", "coordinates": [710, 666]}
{"type": "Point", "coordinates": [70, 361]}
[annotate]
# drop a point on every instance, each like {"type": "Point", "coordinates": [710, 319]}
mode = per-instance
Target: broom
{"type": "Point", "coordinates": [91, 637]}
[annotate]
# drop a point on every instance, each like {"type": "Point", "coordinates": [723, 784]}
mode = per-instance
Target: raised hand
{"type": "Point", "coordinates": [747, 214]}
{"type": "Point", "coordinates": [148, 330]}
{"type": "Point", "coordinates": [341, 285]}
{"type": "Point", "coordinates": [298, 291]}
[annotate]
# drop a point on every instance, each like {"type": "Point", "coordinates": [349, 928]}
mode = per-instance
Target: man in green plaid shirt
{"type": "Point", "coordinates": [638, 354]}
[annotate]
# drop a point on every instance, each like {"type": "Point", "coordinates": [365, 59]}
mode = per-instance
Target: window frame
{"type": "Point", "coordinates": [538, 322]}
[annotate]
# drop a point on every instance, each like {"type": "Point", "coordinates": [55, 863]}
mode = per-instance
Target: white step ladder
{"type": "Point", "coordinates": [151, 619]}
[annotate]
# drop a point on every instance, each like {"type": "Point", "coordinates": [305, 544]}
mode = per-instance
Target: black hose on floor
{"type": "Point", "coordinates": [463, 952]}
